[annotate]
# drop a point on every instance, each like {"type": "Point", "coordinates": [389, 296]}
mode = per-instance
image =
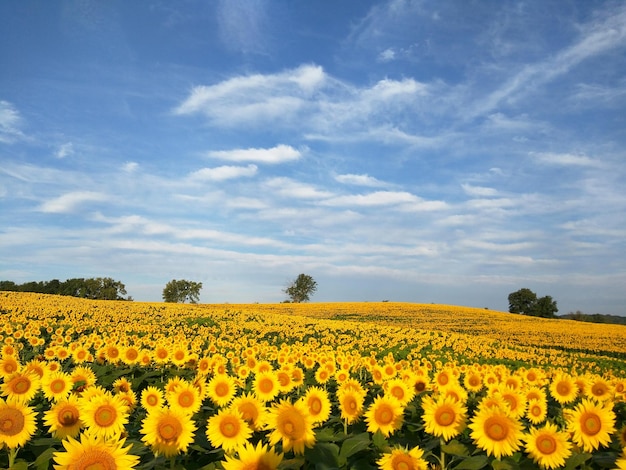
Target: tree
{"type": "Point", "coordinates": [301, 288]}
{"type": "Point", "coordinates": [522, 301]}
{"type": "Point", "coordinates": [545, 307]}
{"type": "Point", "coordinates": [180, 291]}
{"type": "Point", "coordinates": [525, 302]}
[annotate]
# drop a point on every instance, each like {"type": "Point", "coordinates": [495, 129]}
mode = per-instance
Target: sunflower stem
{"type": "Point", "coordinates": [173, 462]}
{"type": "Point", "coordinates": [442, 454]}
{"type": "Point", "coordinates": [12, 455]}
{"type": "Point", "coordinates": [345, 427]}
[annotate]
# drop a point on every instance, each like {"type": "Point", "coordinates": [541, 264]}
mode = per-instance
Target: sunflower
{"type": "Point", "coordinates": [443, 417]}
{"type": "Point", "coordinates": [351, 405]}
{"type": "Point", "coordinates": [600, 389]}
{"type": "Point", "coordinates": [17, 423]}
{"type": "Point", "coordinates": [104, 415]}
{"type": "Point", "coordinates": [56, 385]}
{"type": "Point", "coordinates": [318, 404]}
{"type": "Point", "coordinates": [21, 386]}
{"type": "Point", "coordinates": [93, 452]}
{"type": "Point", "coordinates": [266, 386]}
{"type": "Point", "coordinates": [152, 398]}
{"type": "Point", "coordinates": [130, 355]}
{"type": "Point", "coordinates": [403, 459]}
{"type": "Point", "coordinates": [122, 385]}
{"type": "Point", "coordinates": [8, 366]}
{"type": "Point", "coordinates": [228, 430]}
{"type": "Point", "coordinates": [385, 414]}
{"type": "Point", "coordinates": [251, 458]}
{"type": "Point", "coordinates": [83, 377]}
{"type": "Point", "coordinates": [591, 424]}
{"type": "Point", "coordinates": [185, 397]}
{"type": "Point", "coordinates": [563, 389]}
{"type": "Point", "coordinates": [515, 401]}
{"type": "Point", "coordinates": [221, 389]}
{"type": "Point", "coordinates": [473, 381]}
{"type": "Point", "coordinates": [620, 464]}
{"type": "Point", "coordinates": [252, 410]}
{"type": "Point", "coordinates": [494, 431]}
{"type": "Point", "coordinates": [63, 418]}
{"type": "Point", "coordinates": [548, 447]}
{"type": "Point", "coordinates": [400, 390]}
{"type": "Point", "coordinates": [421, 384]}
{"type": "Point", "coordinates": [537, 411]}
{"type": "Point", "coordinates": [167, 431]}
{"type": "Point", "coordinates": [292, 424]}
{"type": "Point", "coordinates": [285, 384]}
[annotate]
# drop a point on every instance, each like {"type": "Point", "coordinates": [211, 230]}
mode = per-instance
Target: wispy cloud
{"type": "Point", "coordinates": [565, 159]}
{"type": "Point", "coordinates": [65, 150]}
{"type": "Point", "coordinates": [360, 180]}
{"type": "Point", "coordinates": [72, 201]}
{"type": "Point", "coordinates": [279, 154]}
{"type": "Point", "coordinates": [222, 173]}
{"type": "Point", "coordinates": [10, 123]}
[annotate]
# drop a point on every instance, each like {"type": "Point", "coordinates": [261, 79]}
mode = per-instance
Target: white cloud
{"type": "Point", "coordinates": [130, 167]}
{"type": "Point", "coordinates": [564, 159]}
{"type": "Point", "coordinates": [289, 188]}
{"type": "Point", "coordinates": [65, 150]}
{"type": "Point", "coordinates": [279, 154]}
{"type": "Point", "coordinates": [378, 198]}
{"type": "Point", "coordinates": [360, 180]}
{"type": "Point", "coordinates": [222, 173]}
{"type": "Point", "coordinates": [69, 202]}
{"type": "Point", "coordinates": [10, 122]}
{"type": "Point", "coordinates": [480, 191]}
{"type": "Point", "coordinates": [387, 55]}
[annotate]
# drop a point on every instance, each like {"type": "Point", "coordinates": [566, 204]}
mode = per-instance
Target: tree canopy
{"type": "Point", "coordinates": [181, 291]}
{"type": "Point", "coordinates": [525, 302]}
{"type": "Point", "coordinates": [301, 288]}
{"type": "Point", "coordinates": [98, 288]}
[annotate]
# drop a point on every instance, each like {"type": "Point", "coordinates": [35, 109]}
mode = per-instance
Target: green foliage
{"type": "Point", "coordinates": [525, 302]}
{"type": "Point", "coordinates": [98, 288]}
{"type": "Point", "coordinates": [181, 291]}
{"type": "Point", "coordinates": [301, 288]}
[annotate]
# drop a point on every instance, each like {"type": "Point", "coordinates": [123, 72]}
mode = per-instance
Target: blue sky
{"type": "Point", "coordinates": [420, 151]}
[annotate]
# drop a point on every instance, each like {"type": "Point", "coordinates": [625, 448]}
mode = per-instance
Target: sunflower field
{"type": "Point", "coordinates": [129, 385]}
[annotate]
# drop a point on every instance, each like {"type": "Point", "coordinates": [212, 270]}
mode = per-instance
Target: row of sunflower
{"type": "Point", "coordinates": [92, 398]}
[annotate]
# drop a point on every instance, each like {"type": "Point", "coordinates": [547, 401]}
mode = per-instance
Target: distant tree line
{"type": "Point", "coordinates": [101, 288]}
{"type": "Point", "coordinates": [526, 302]}
{"type": "Point", "coordinates": [594, 318]}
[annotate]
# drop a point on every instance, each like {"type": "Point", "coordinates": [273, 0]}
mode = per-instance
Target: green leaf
{"type": "Point", "coordinates": [380, 442]}
{"type": "Point", "coordinates": [506, 464]}
{"type": "Point", "coordinates": [353, 445]}
{"type": "Point", "coordinates": [576, 460]}
{"type": "Point", "coordinates": [43, 461]}
{"type": "Point", "coordinates": [454, 447]}
{"type": "Point", "coordinates": [473, 463]}
{"type": "Point", "coordinates": [20, 465]}
{"type": "Point", "coordinates": [324, 454]}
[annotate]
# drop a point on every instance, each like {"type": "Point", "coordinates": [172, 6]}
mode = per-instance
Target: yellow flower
{"type": "Point", "coordinates": [104, 415]}
{"type": "Point", "coordinates": [227, 430]}
{"type": "Point", "coordinates": [473, 381]}
{"type": "Point", "coordinates": [63, 418]}
{"type": "Point", "coordinates": [403, 459]}
{"type": "Point", "coordinates": [563, 389]}
{"type": "Point", "coordinates": [221, 389]}
{"type": "Point", "coordinates": [537, 411]}
{"type": "Point", "coordinates": [94, 452]}
{"type": "Point", "coordinates": [167, 431]}
{"type": "Point", "coordinates": [252, 410]}
{"type": "Point", "coordinates": [122, 385]}
{"type": "Point", "coordinates": [591, 424]}
{"type": "Point", "coordinates": [152, 398]}
{"type": "Point", "coordinates": [443, 417]}
{"type": "Point", "coordinates": [185, 397]}
{"type": "Point", "coordinates": [351, 405]}
{"type": "Point", "coordinates": [318, 404]}
{"type": "Point", "coordinates": [266, 386]}
{"type": "Point", "coordinates": [600, 389]}
{"type": "Point", "coordinates": [494, 431]}
{"type": "Point", "coordinates": [292, 424]}
{"type": "Point", "coordinates": [385, 414]}
{"type": "Point", "coordinates": [56, 385]}
{"type": "Point", "coordinates": [547, 446]}
{"type": "Point", "coordinates": [400, 390]}
{"type": "Point", "coordinates": [17, 423]}
{"type": "Point", "coordinates": [250, 457]}
{"type": "Point", "coordinates": [8, 366]}
{"type": "Point", "coordinates": [21, 386]}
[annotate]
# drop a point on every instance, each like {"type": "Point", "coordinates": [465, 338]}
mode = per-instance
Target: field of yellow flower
{"type": "Point", "coordinates": [130, 385]}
